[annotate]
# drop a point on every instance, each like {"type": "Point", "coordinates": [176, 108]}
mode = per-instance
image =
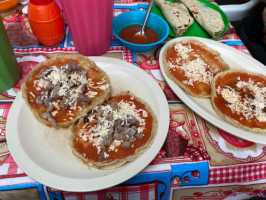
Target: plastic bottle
{"type": "Point", "coordinates": [46, 21]}
{"type": "Point", "coordinates": [9, 69]}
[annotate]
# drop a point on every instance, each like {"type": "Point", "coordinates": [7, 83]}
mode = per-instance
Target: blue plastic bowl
{"type": "Point", "coordinates": [137, 18]}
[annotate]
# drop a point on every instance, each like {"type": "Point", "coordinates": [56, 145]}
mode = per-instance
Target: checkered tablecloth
{"type": "Point", "coordinates": [237, 174]}
{"type": "Point", "coordinates": [140, 191]}
{"type": "Point", "coordinates": [195, 152]}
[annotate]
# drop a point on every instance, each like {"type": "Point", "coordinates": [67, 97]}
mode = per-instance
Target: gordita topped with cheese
{"type": "Point", "coordinates": [239, 97]}
{"type": "Point", "coordinates": [192, 65]}
{"type": "Point", "coordinates": [60, 90]}
{"type": "Point", "coordinates": [116, 132]}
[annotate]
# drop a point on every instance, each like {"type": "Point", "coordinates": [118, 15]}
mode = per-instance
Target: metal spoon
{"type": "Point", "coordinates": [142, 32]}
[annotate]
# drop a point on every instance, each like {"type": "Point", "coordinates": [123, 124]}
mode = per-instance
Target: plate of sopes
{"type": "Point", "coordinates": [221, 84]}
{"type": "Point", "coordinates": [199, 18]}
{"type": "Point", "coordinates": [85, 124]}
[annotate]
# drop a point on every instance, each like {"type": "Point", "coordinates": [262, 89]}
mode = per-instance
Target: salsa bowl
{"type": "Point", "coordinates": [130, 18]}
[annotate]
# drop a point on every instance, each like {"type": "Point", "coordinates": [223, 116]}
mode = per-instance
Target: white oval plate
{"type": "Point", "coordinates": [203, 107]}
{"type": "Point", "coordinates": [45, 154]}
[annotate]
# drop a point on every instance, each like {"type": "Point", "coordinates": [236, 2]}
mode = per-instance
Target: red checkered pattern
{"type": "Point", "coordinates": [127, 54]}
{"type": "Point", "coordinates": [45, 50]}
{"type": "Point", "coordinates": [237, 173]}
{"type": "Point", "coordinates": [4, 109]}
{"type": "Point", "coordinates": [10, 173]}
{"type": "Point", "coordinates": [9, 169]}
{"type": "Point", "coordinates": [144, 191]}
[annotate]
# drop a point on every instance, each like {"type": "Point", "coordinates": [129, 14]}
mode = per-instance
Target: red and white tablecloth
{"type": "Point", "coordinates": [197, 161]}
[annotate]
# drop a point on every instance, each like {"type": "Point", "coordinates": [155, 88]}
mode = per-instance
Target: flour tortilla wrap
{"type": "Point", "coordinates": [176, 15]}
{"type": "Point", "coordinates": [209, 19]}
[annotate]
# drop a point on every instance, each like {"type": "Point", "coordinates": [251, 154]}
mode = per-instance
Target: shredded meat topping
{"type": "Point", "coordinates": [111, 128]}
{"type": "Point", "coordinates": [62, 87]}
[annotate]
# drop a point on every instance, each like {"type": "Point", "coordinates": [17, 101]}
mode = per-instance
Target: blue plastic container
{"type": "Point", "coordinates": [137, 18]}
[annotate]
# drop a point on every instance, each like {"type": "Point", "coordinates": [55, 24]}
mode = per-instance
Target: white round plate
{"type": "Point", "coordinates": [45, 154]}
{"type": "Point", "coordinates": [203, 107]}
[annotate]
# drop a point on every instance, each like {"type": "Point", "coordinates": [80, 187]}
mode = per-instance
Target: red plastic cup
{"type": "Point", "coordinates": [90, 24]}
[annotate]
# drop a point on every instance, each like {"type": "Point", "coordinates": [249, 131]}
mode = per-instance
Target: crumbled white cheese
{"type": "Point", "coordinates": [32, 94]}
{"type": "Point", "coordinates": [183, 50]}
{"type": "Point", "coordinates": [103, 81]}
{"type": "Point", "coordinates": [105, 155]}
{"type": "Point", "coordinates": [144, 113]}
{"type": "Point", "coordinates": [100, 130]}
{"type": "Point", "coordinates": [248, 107]}
{"type": "Point", "coordinates": [195, 69]}
{"type": "Point", "coordinates": [91, 94]}
{"type": "Point", "coordinates": [70, 113]}
{"type": "Point", "coordinates": [56, 105]}
{"type": "Point", "coordinates": [114, 144]}
{"type": "Point", "coordinates": [58, 76]}
{"type": "Point", "coordinates": [140, 129]}
{"type": "Point", "coordinates": [97, 143]}
{"type": "Point", "coordinates": [54, 113]}
{"type": "Point", "coordinates": [104, 87]}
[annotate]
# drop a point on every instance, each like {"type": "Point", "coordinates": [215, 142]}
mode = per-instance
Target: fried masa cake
{"type": "Point", "coordinates": [239, 97]}
{"type": "Point", "coordinates": [62, 89]}
{"type": "Point", "coordinates": [116, 132]}
{"type": "Point", "coordinates": [192, 66]}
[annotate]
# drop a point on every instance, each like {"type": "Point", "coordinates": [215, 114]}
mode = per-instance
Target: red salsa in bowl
{"type": "Point", "coordinates": [129, 34]}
